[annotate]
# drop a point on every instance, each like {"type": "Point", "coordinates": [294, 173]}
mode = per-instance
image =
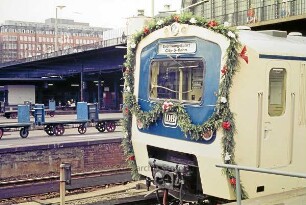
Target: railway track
{"type": "Point", "coordinates": [37, 186]}
{"type": "Point", "coordinates": [41, 189]}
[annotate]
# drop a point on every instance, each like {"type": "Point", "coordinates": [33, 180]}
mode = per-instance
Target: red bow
{"type": "Point", "coordinates": [244, 54]}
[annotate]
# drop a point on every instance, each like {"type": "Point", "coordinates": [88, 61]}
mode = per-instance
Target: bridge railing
{"type": "Point", "coordinates": [252, 169]}
{"type": "Point", "coordinates": [262, 13]}
{"type": "Point", "coordinates": [78, 49]}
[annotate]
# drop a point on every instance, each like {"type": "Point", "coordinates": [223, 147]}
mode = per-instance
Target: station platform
{"type": "Point", "coordinates": [113, 195]}
{"type": "Point", "coordinates": [128, 193]}
{"type": "Point", "coordinates": [294, 197]}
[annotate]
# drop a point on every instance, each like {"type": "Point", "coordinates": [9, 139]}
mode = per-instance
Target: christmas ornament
{"type": "Point", "coordinates": [126, 111]}
{"type": "Point", "coordinates": [223, 100]}
{"type": "Point", "coordinates": [160, 22]}
{"type": "Point", "coordinates": [176, 18]}
{"type": "Point", "coordinates": [133, 45]}
{"type": "Point", "coordinates": [146, 30]}
{"type": "Point", "coordinates": [212, 24]}
{"type": "Point", "coordinates": [207, 135]}
{"type": "Point", "coordinates": [226, 24]}
{"type": "Point", "coordinates": [167, 106]}
{"type": "Point", "coordinates": [233, 181]}
{"type": "Point", "coordinates": [231, 34]}
{"type": "Point", "coordinates": [139, 124]}
{"type": "Point", "coordinates": [132, 158]}
{"type": "Point", "coordinates": [193, 21]}
{"type": "Point", "coordinates": [224, 70]}
{"type": "Point", "coordinates": [226, 125]}
{"type": "Point", "coordinates": [128, 89]}
{"type": "Point", "coordinates": [227, 157]}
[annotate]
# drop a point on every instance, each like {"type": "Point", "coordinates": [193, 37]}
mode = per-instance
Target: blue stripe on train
{"type": "Point", "coordinates": [210, 53]}
{"type": "Point", "coordinates": [296, 58]}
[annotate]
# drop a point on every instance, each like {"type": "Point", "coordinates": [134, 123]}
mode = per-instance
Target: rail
{"type": "Point", "coordinates": [251, 169]}
{"type": "Point", "coordinates": [237, 12]}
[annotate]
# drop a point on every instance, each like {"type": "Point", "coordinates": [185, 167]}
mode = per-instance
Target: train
{"type": "Point", "coordinates": [199, 93]}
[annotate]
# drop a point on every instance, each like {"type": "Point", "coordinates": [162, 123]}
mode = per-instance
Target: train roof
{"type": "Point", "coordinates": [274, 43]}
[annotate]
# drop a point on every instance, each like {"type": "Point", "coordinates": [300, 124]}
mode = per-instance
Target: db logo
{"type": "Point", "coordinates": [170, 119]}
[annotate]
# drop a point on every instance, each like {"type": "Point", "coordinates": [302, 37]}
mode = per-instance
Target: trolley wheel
{"type": "Point", "coordinates": [13, 115]}
{"type": "Point", "coordinates": [59, 130]}
{"type": "Point", "coordinates": [1, 132]}
{"type": "Point", "coordinates": [82, 129]}
{"type": "Point", "coordinates": [49, 129]}
{"type": "Point", "coordinates": [100, 126]}
{"type": "Point", "coordinates": [110, 126]}
{"type": "Point", "coordinates": [52, 113]}
{"type": "Point", "coordinates": [24, 132]}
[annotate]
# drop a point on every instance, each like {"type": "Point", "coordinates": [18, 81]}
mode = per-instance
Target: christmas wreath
{"type": "Point", "coordinates": [222, 116]}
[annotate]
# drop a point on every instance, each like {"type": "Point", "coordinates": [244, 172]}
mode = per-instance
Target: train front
{"type": "Point", "coordinates": [179, 64]}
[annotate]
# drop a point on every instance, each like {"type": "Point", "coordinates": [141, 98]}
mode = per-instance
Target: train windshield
{"type": "Point", "coordinates": [177, 79]}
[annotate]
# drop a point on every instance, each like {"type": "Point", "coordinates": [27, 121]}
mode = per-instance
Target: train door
{"type": "Point", "coordinates": [276, 116]}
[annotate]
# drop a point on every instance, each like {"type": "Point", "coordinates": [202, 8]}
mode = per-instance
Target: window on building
{"type": "Point", "coordinates": [277, 92]}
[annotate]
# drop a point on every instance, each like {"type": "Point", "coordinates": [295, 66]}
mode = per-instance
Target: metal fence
{"type": "Point", "coordinates": [241, 12]}
{"type": "Point", "coordinates": [260, 170]}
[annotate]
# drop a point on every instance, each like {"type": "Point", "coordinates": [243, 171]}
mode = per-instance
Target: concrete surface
{"type": "Point", "coordinates": [294, 197]}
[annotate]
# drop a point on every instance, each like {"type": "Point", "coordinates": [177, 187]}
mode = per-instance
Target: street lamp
{"type": "Point", "coordinates": [60, 7]}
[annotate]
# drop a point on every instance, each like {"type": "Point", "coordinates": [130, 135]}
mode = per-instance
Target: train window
{"type": "Point", "coordinates": [277, 92]}
{"type": "Point", "coordinates": [177, 79]}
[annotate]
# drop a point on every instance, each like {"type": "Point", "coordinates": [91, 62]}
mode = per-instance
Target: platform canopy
{"type": "Point", "coordinates": [100, 60]}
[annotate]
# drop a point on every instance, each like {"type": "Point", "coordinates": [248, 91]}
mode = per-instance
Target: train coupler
{"type": "Point", "coordinates": [169, 175]}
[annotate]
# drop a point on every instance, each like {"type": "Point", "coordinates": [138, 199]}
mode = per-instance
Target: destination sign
{"type": "Point", "coordinates": [183, 47]}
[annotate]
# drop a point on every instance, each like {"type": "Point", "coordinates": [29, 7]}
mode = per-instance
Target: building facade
{"type": "Point", "coordinates": [19, 39]}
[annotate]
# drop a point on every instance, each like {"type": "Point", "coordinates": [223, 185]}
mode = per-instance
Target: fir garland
{"type": "Point", "coordinates": [222, 116]}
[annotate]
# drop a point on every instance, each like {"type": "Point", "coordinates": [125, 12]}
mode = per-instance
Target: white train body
{"type": "Point", "coordinates": [268, 99]}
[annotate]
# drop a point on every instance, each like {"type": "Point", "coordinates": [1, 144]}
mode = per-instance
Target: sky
{"type": "Point", "coordinates": [100, 13]}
